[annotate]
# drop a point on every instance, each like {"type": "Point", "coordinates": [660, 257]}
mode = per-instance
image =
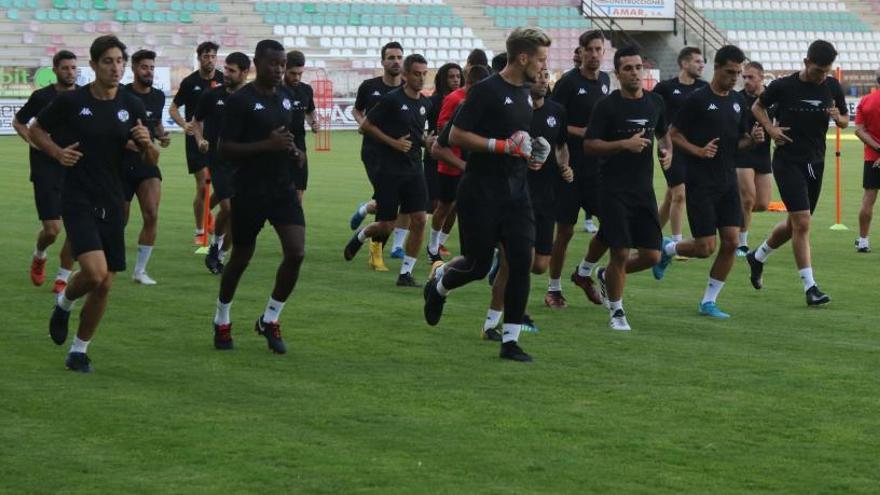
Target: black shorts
{"type": "Point", "coordinates": [709, 209]}
{"type": "Point", "coordinates": [195, 159]}
{"type": "Point", "coordinates": [431, 178]}
{"type": "Point", "coordinates": [91, 228]}
{"type": "Point", "coordinates": [250, 213]}
{"type": "Point", "coordinates": [300, 175]}
{"type": "Point", "coordinates": [221, 177]}
{"type": "Point", "coordinates": [629, 221]}
{"type": "Point", "coordinates": [676, 173]}
{"type": "Point", "coordinates": [583, 192]}
{"type": "Point", "coordinates": [484, 221]}
{"type": "Point", "coordinates": [407, 193]}
{"type": "Point", "coordinates": [47, 195]}
{"type": "Point", "coordinates": [448, 185]}
{"type": "Point", "coordinates": [545, 223]}
{"type": "Point", "coordinates": [762, 166]}
{"type": "Point", "coordinates": [871, 176]}
{"type": "Point", "coordinates": [135, 173]}
{"type": "Point", "coordinates": [799, 183]}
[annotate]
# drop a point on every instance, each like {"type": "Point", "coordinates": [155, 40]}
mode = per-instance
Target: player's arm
{"type": "Point", "coordinates": [401, 144]}
{"type": "Point", "coordinates": [198, 128]}
{"type": "Point", "coordinates": [447, 156]}
{"type": "Point", "coordinates": [22, 119]}
{"type": "Point", "coordinates": [22, 130]}
{"type": "Point", "coordinates": [313, 122]}
{"type": "Point", "coordinates": [65, 156]}
{"type": "Point", "coordinates": [664, 151]}
{"type": "Point", "coordinates": [866, 137]}
{"type": "Point", "coordinates": [681, 141]}
{"type": "Point", "coordinates": [838, 111]}
{"type": "Point", "coordinates": [174, 112]}
{"type": "Point", "coordinates": [279, 140]}
{"type": "Point", "coordinates": [760, 111]}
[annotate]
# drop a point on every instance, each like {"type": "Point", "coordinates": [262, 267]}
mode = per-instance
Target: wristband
{"type": "Point", "coordinates": [497, 146]}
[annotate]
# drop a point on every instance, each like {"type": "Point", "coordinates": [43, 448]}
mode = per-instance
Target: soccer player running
{"type": "Point", "coordinates": [804, 102]}
{"type": "Point", "coordinates": [577, 92]}
{"type": "Point", "coordinates": [548, 123]}
{"type": "Point", "coordinates": [143, 179]}
{"type": "Point", "coordinates": [207, 121]}
{"type": "Point", "coordinates": [622, 131]}
{"type": "Point", "coordinates": [47, 175]}
{"type": "Point", "coordinates": [369, 93]}
{"type": "Point", "coordinates": [868, 131]}
{"type": "Point", "coordinates": [188, 94]}
{"type": "Point", "coordinates": [303, 112]}
{"type": "Point", "coordinates": [493, 199]}
{"type": "Point", "coordinates": [711, 127]}
{"type": "Point", "coordinates": [87, 130]}
{"type": "Point", "coordinates": [753, 165]}
{"type": "Point", "coordinates": [255, 139]}
{"type": "Point", "coordinates": [674, 92]}
{"type": "Point", "coordinates": [397, 125]}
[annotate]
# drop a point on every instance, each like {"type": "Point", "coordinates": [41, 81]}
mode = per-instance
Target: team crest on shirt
{"type": "Point", "coordinates": [736, 107]}
{"type": "Point", "coordinates": [122, 115]}
{"type": "Point", "coordinates": [149, 113]}
{"type": "Point", "coordinates": [296, 103]}
{"type": "Point", "coordinates": [421, 110]}
{"type": "Point", "coordinates": [286, 104]}
{"type": "Point", "coordinates": [582, 91]}
{"type": "Point", "coordinates": [551, 121]}
{"type": "Point", "coordinates": [604, 89]}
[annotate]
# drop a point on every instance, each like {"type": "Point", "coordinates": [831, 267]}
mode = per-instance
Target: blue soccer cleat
{"type": "Point", "coordinates": [357, 219]}
{"type": "Point", "coordinates": [659, 269]}
{"type": "Point", "coordinates": [398, 253]}
{"type": "Point", "coordinates": [711, 310]}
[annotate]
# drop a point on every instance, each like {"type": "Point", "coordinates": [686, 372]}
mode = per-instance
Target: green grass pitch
{"type": "Point", "coordinates": [780, 398]}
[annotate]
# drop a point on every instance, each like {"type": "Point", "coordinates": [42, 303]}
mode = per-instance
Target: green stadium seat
{"type": "Point", "coordinates": [13, 15]}
{"type": "Point", "coordinates": [67, 15]}
{"type": "Point", "coordinates": [203, 7]}
{"type": "Point", "coordinates": [176, 5]}
{"type": "Point", "coordinates": [173, 17]}
{"type": "Point", "coordinates": [54, 15]}
{"type": "Point", "coordinates": [40, 15]}
{"type": "Point", "coordinates": [81, 15]}
{"type": "Point", "coordinates": [259, 7]}
{"type": "Point", "coordinates": [310, 8]}
{"type": "Point", "coordinates": [186, 18]}
{"type": "Point", "coordinates": [147, 16]}
{"type": "Point", "coordinates": [189, 6]}
{"type": "Point", "coordinates": [213, 7]}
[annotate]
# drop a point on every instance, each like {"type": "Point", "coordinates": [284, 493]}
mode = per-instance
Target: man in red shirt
{"type": "Point", "coordinates": [868, 130]}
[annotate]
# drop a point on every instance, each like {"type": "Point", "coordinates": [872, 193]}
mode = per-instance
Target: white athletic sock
{"type": "Point", "coordinates": [555, 285]}
{"type": "Point", "coordinates": [221, 314]}
{"type": "Point", "coordinates": [615, 305]}
{"type": "Point", "coordinates": [677, 238]}
{"type": "Point", "coordinates": [434, 244]}
{"type": "Point", "coordinates": [399, 238]}
{"type": "Point", "coordinates": [362, 235]}
{"type": "Point", "coordinates": [362, 210]}
{"type": "Point", "coordinates": [41, 254]}
{"type": "Point", "coordinates": [712, 290]}
{"type": "Point", "coordinates": [222, 256]}
{"type": "Point", "coordinates": [408, 264]}
{"type": "Point", "coordinates": [65, 303]}
{"type": "Point", "coordinates": [670, 248]}
{"type": "Point", "coordinates": [585, 269]}
{"type": "Point", "coordinates": [79, 345]}
{"type": "Point", "coordinates": [199, 231]}
{"type": "Point", "coordinates": [744, 238]}
{"type": "Point", "coordinates": [492, 319]}
{"type": "Point", "coordinates": [143, 257]}
{"type": "Point", "coordinates": [63, 274]}
{"type": "Point", "coordinates": [443, 291]}
{"type": "Point", "coordinates": [763, 252]}
{"type": "Point", "coordinates": [807, 276]}
{"type": "Point", "coordinates": [273, 310]}
{"type": "Point", "coordinates": [443, 238]}
{"type": "Point", "coordinates": [510, 332]}
{"type": "Point", "coordinates": [217, 240]}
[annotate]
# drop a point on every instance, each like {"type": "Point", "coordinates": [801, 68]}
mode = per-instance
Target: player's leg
{"type": "Point", "coordinates": [221, 239]}
{"type": "Point", "coordinates": [568, 207]}
{"type": "Point", "coordinates": [47, 196]}
{"type": "Point", "coordinates": [517, 242]}
{"type": "Point", "coordinates": [148, 193]}
{"type": "Point", "coordinates": [491, 325]}
{"type": "Point", "coordinates": [702, 217]}
{"type": "Point", "coordinates": [447, 230]}
{"type": "Point", "coordinates": [583, 274]}
{"type": "Point", "coordinates": [387, 194]}
{"type": "Point", "coordinates": [92, 282]}
{"type": "Point", "coordinates": [746, 180]}
{"type": "Point", "coordinates": [201, 182]}
{"type": "Point", "coordinates": [729, 238]}
{"type": "Point", "coordinates": [401, 228]}
{"type": "Point", "coordinates": [302, 179]}
{"type": "Point", "coordinates": [438, 220]}
{"type": "Point", "coordinates": [870, 183]}
{"type": "Point", "coordinates": [65, 269]}
{"type": "Point", "coordinates": [677, 200]}
{"type": "Point", "coordinates": [614, 276]}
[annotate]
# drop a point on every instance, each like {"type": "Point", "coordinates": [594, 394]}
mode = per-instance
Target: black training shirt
{"type": "Point", "coordinates": [303, 103]}
{"type": "Point", "coordinates": [803, 107]}
{"type": "Point", "coordinates": [154, 103]}
{"type": "Point", "coordinates": [369, 93]}
{"type": "Point", "coordinates": [210, 112]}
{"type": "Point", "coordinates": [549, 122]}
{"type": "Point", "coordinates": [578, 95]}
{"type": "Point", "coordinates": [41, 163]}
{"type": "Point", "coordinates": [675, 93]}
{"type": "Point", "coordinates": [397, 115]}
{"type": "Point", "coordinates": [102, 128]}
{"type": "Point", "coordinates": [191, 89]}
{"type": "Point", "coordinates": [758, 154]}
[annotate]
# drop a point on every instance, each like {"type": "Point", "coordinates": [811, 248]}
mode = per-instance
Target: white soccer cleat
{"type": "Point", "coordinates": [618, 321]}
{"type": "Point", "coordinates": [590, 226]}
{"type": "Point", "coordinates": [143, 279]}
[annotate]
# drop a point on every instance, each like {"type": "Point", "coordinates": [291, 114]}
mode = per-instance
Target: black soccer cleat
{"type": "Point", "coordinates": [223, 337]}
{"type": "Point", "coordinates": [407, 280]}
{"type": "Point", "coordinates": [212, 260]}
{"type": "Point", "coordinates": [433, 258]}
{"type": "Point", "coordinates": [433, 303]}
{"type": "Point", "coordinates": [816, 297]}
{"type": "Point", "coordinates": [78, 361]}
{"type": "Point", "coordinates": [491, 334]}
{"type": "Point", "coordinates": [272, 332]}
{"type": "Point", "coordinates": [756, 269]}
{"type": "Point", "coordinates": [58, 325]}
{"type": "Point", "coordinates": [353, 246]}
{"type": "Point", "coordinates": [510, 350]}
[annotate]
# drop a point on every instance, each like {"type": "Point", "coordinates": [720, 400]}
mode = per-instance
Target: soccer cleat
{"type": "Point", "coordinates": [397, 253]}
{"type": "Point", "coordinates": [590, 226]}
{"type": "Point", "coordinates": [212, 260]}
{"type": "Point", "coordinates": [143, 279]}
{"type": "Point", "coordinates": [756, 270]}
{"type": "Point", "coordinates": [433, 257]}
{"type": "Point", "coordinates": [862, 249]}
{"type": "Point", "coordinates": [272, 332]}
{"type": "Point", "coordinates": [59, 286]}
{"type": "Point", "coordinates": [490, 334]}
{"type": "Point", "coordinates": [433, 300]}
{"type": "Point", "coordinates": [528, 324]}
{"type": "Point", "coordinates": [603, 287]}
{"type": "Point", "coordinates": [223, 337]}
{"type": "Point", "coordinates": [353, 246]}
{"type": "Point", "coordinates": [512, 351]}
{"type": "Point", "coordinates": [443, 251]}
{"type": "Point", "coordinates": [496, 265]}
{"type": "Point", "coordinates": [376, 260]}
{"type": "Point", "coordinates": [742, 251]}
{"type": "Point", "coordinates": [357, 219]}
{"type": "Point", "coordinates": [78, 361]}
{"type": "Point", "coordinates": [588, 286]}
{"type": "Point", "coordinates": [407, 280]}
{"type": "Point", "coordinates": [618, 321]}
{"type": "Point", "coordinates": [816, 297]}
{"type": "Point", "coordinates": [555, 300]}
{"type": "Point", "coordinates": [659, 269]}
{"type": "Point", "coordinates": [58, 325]}
{"type": "Point", "coordinates": [38, 271]}
{"type": "Point", "coordinates": [710, 309]}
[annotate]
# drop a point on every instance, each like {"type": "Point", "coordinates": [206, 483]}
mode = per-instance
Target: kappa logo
{"type": "Point", "coordinates": [122, 115]}
{"type": "Point", "coordinates": [149, 113]}
{"type": "Point", "coordinates": [377, 93]}
{"type": "Point", "coordinates": [641, 122]}
{"type": "Point", "coordinates": [296, 103]}
{"type": "Point", "coordinates": [604, 89]}
{"type": "Point", "coordinates": [404, 107]}
{"type": "Point", "coordinates": [86, 111]}
{"type": "Point", "coordinates": [582, 91]}
{"type": "Point", "coordinates": [712, 107]}
{"type": "Point", "coordinates": [197, 88]}
{"type": "Point", "coordinates": [220, 102]}
{"type": "Point", "coordinates": [815, 103]}
{"type": "Point", "coordinates": [286, 104]}
{"type": "Point", "coordinates": [736, 107]}
{"type": "Point", "coordinates": [551, 121]}
{"type": "Point", "coordinates": [676, 92]}
{"type": "Point", "coordinates": [259, 106]}
{"type": "Point", "coordinates": [508, 101]}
